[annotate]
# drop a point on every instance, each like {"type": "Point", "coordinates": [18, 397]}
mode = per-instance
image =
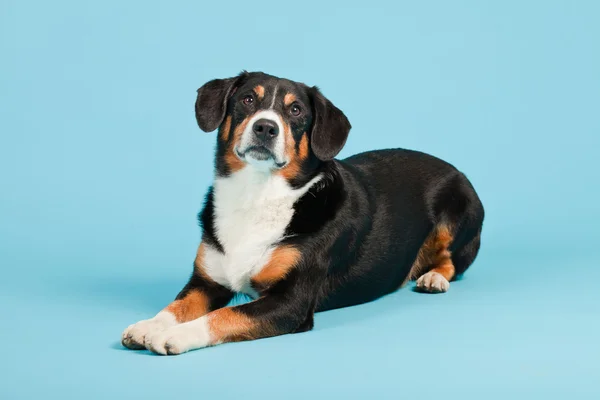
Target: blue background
{"type": "Point", "coordinates": [103, 170]}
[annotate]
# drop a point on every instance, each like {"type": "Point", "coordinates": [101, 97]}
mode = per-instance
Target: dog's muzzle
{"type": "Point", "coordinates": [262, 142]}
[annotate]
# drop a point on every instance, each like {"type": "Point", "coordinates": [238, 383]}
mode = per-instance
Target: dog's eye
{"type": "Point", "coordinates": [295, 110]}
{"type": "Point", "coordinates": [248, 100]}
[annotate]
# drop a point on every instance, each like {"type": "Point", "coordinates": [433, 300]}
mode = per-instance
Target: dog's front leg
{"type": "Point", "coordinates": [200, 296]}
{"type": "Point", "coordinates": [276, 313]}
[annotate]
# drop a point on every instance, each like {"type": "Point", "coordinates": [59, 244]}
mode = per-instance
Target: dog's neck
{"type": "Point", "coordinates": [251, 187]}
{"type": "Point", "coordinates": [252, 210]}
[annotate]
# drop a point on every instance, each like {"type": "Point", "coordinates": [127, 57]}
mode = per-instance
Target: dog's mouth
{"type": "Point", "coordinates": [259, 153]}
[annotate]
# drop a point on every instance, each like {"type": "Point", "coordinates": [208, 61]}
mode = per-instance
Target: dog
{"type": "Point", "coordinates": [300, 231]}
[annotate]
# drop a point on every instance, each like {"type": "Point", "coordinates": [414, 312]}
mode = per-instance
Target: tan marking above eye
{"type": "Point", "coordinates": [289, 99]}
{"type": "Point", "coordinates": [260, 91]}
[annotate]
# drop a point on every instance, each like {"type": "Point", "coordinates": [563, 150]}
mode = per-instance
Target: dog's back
{"type": "Point", "coordinates": [405, 213]}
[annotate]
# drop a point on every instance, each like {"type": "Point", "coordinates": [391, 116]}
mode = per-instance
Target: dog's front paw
{"type": "Point", "coordinates": [134, 337]}
{"type": "Point", "coordinates": [433, 282]}
{"type": "Point", "coordinates": [180, 338]}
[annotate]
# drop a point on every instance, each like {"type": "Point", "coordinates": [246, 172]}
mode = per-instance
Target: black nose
{"type": "Point", "coordinates": [265, 129]}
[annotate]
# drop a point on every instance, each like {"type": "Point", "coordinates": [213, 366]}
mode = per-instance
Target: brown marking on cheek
{"type": "Point", "coordinates": [231, 159]}
{"type": "Point", "coordinates": [260, 91]}
{"type": "Point", "coordinates": [434, 254]}
{"type": "Point", "coordinates": [289, 140]}
{"type": "Point", "coordinates": [289, 98]}
{"type": "Point", "coordinates": [226, 128]}
{"type": "Point", "coordinates": [230, 325]}
{"type": "Point", "coordinates": [294, 167]}
{"type": "Point", "coordinates": [282, 260]}
{"type": "Point", "coordinates": [303, 150]}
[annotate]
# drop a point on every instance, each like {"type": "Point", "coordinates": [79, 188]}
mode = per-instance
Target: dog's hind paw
{"type": "Point", "coordinates": [433, 282]}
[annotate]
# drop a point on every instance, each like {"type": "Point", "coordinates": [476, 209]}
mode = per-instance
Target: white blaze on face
{"type": "Point", "coordinates": [248, 139]}
{"type": "Point", "coordinates": [278, 146]}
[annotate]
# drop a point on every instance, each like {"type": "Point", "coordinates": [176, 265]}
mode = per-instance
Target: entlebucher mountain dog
{"type": "Point", "coordinates": [300, 231]}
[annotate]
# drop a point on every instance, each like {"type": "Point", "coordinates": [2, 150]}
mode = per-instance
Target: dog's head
{"type": "Point", "coordinates": [271, 124]}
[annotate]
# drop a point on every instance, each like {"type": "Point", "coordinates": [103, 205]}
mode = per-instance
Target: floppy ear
{"type": "Point", "coordinates": [211, 102]}
{"type": "Point", "coordinates": [330, 127]}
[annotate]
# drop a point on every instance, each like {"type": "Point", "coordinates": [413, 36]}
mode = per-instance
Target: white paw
{"type": "Point", "coordinates": [433, 282]}
{"type": "Point", "coordinates": [180, 338]}
{"type": "Point", "coordinates": [134, 337]}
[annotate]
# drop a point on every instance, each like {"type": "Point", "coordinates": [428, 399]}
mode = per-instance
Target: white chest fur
{"type": "Point", "coordinates": [252, 209]}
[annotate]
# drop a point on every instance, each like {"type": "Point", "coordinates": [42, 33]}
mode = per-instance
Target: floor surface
{"type": "Point", "coordinates": [103, 170]}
